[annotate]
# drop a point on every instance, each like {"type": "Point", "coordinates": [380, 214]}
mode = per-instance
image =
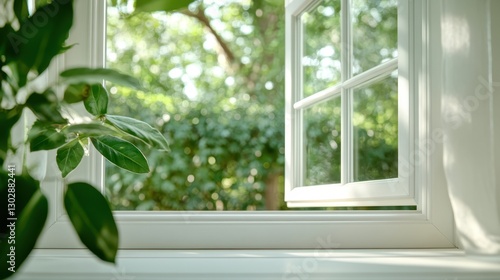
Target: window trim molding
{"type": "Point", "coordinates": [431, 226]}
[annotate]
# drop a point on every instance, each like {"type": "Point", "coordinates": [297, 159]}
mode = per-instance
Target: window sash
{"type": "Point", "coordinates": [431, 226]}
{"type": "Point", "coordinates": [397, 191]}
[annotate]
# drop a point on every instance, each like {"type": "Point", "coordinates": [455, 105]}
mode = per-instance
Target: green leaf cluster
{"type": "Point", "coordinates": [28, 45]}
{"type": "Point", "coordinates": [108, 133]}
{"type": "Point", "coordinates": [160, 5]}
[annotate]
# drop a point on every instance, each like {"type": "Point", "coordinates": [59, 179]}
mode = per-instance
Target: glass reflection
{"type": "Point", "coordinates": [322, 143]}
{"type": "Point", "coordinates": [374, 33]}
{"type": "Point", "coordinates": [321, 50]}
{"type": "Point", "coordinates": [375, 129]}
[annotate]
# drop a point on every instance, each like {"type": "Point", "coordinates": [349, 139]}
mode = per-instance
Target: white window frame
{"type": "Point", "coordinates": [388, 192]}
{"type": "Point", "coordinates": [430, 226]}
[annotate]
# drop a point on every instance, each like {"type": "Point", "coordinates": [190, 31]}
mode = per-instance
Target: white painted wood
{"type": "Point", "coordinates": [346, 113]}
{"type": "Point", "coordinates": [361, 191]}
{"type": "Point", "coordinates": [293, 87]}
{"type": "Point", "coordinates": [409, 17]}
{"type": "Point", "coordinates": [316, 98]}
{"type": "Point", "coordinates": [273, 230]}
{"type": "Point", "coordinates": [261, 264]}
{"type": "Point", "coordinates": [430, 178]}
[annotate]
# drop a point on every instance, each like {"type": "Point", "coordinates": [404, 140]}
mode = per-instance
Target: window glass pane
{"type": "Point", "coordinates": [374, 32]}
{"type": "Point", "coordinates": [322, 143]}
{"type": "Point", "coordinates": [216, 94]}
{"type": "Point", "coordinates": [375, 129]}
{"type": "Point", "coordinates": [321, 53]}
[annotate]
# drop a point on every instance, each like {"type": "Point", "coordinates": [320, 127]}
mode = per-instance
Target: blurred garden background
{"type": "Point", "coordinates": [215, 79]}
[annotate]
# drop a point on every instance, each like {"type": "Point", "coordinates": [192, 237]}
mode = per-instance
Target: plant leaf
{"type": "Point", "coordinates": [21, 10]}
{"type": "Point", "coordinates": [67, 48]}
{"type": "Point", "coordinates": [96, 76]}
{"type": "Point", "coordinates": [121, 153]}
{"type": "Point", "coordinates": [4, 31]}
{"type": "Point", "coordinates": [93, 129]}
{"type": "Point", "coordinates": [40, 3]}
{"type": "Point", "coordinates": [139, 129]}
{"type": "Point", "coordinates": [76, 92]}
{"type": "Point", "coordinates": [92, 219]}
{"type": "Point", "coordinates": [97, 101]}
{"type": "Point", "coordinates": [36, 44]}
{"type": "Point", "coordinates": [19, 72]}
{"type": "Point", "coordinates": [160, 5]}
{"type": "Point", "coordinates": [31, 209]}
{"type": "Point", "coordinates": [69, 156]}
{"type": "Point", "coordinates": [45, 106]}
{"type": "Point", "coordinates": [8, 118]}
{"type": "Point", "coordinates": [43, 136]}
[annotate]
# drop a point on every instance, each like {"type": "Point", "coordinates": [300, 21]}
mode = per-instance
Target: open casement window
{"type": "Point", "coordinates": [430, 225]}
{"type": "Point", "coordinates": [349, 113]}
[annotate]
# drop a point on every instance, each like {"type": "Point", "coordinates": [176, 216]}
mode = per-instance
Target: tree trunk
{"type": "Point", "coordinates": [272, 193]}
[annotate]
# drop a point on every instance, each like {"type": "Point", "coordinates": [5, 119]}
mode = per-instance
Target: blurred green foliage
{"type": "Point", "coordinates": [215, 80]}
{"type": "Point", "coordinates": [221, 109]}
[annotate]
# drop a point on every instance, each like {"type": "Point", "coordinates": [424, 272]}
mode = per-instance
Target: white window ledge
{"type": "Point", "coordinates": [261, 264]}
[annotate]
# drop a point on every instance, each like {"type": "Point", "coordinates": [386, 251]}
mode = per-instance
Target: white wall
{"type": "Point", "coordinates": [469, 117]}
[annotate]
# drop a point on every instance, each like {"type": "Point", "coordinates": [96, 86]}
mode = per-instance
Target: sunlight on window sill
{"type": "Point", "coordinates": [262, 264]}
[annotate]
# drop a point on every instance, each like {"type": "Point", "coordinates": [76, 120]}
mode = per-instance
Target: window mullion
{"type": "Point", "coordinates": [380, 71]}
{"type": "Point", "coordinates": [346, 110]}
{"type": "Point", "coordinates": [346, 40]}
{"type": "Point", "coordinates": [383, 69]}
{"type": "Point", "coordinates": [299, 140]}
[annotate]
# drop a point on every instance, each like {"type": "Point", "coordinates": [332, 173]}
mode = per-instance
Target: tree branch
{"type": "Point", "coordinates": [203, 19]}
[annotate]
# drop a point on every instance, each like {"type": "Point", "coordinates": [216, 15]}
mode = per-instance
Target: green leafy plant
{"type": "Point", "coordinates": [27, 47]}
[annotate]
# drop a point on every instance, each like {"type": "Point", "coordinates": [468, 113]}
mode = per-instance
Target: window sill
{"type": "Point", "coordinates": [443, 264]}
